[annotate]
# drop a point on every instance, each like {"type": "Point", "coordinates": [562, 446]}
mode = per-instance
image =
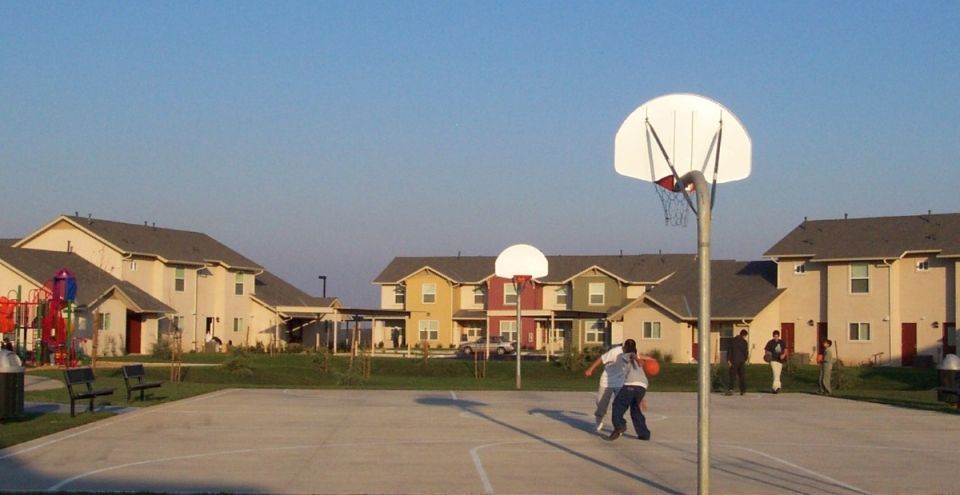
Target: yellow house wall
{"type": "Point", "coordinates": [876, 308]}
{"type": "Point", "coordinates": [388, 297]}
{"type": "Point", "coordinates": [441, 310]}
{"type": "Point", "coordinates": [674, 338]}
{"type": "Point", "coordinates": [760, 330]}
{"type": "Point", "coordinates": [803, 300]}
{"type": "Point", "coordinates": [924, 299]}
{"type": "Point", "coordinates": [465, 298]}
{"type": "Point", "coordinates": [62, 233]}
{"type": "Point", "coordinates": [635, 291]}
{"type": "Point", "coordinates": [550, 298]}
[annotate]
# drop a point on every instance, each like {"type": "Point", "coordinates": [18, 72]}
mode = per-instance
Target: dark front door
{"type": "Point", "coordinates": [133, 333]}
{"type": "Point", "coordinates": [821, 336]}
{"type": "Point", "coordinates": [908, 344]}
{"type": "Point", "coordinates": [786, 333]}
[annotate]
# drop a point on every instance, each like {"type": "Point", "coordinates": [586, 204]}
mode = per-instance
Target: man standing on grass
{"type": "Point", "coordinates": [610, 381]}
{"type": "Point", "coordinates": [826, 367]}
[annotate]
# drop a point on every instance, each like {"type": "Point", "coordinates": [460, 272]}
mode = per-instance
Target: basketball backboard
{"type": "Point", "coordinates": [688, 127]}
{"type": "Point", "coordinates": [521, 259]}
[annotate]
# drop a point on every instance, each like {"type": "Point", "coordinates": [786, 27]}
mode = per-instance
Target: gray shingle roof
{"type": "Point", "coordinates": [274, 291]}
{"type": "Point", "coordinates": [92, 282]}
{"type": "Point", "coordinates": [169, 244]}
{"type": "Point", "coordinates": [738, 289]}
{"type": "Point", "coordinates": [871, 238]}
{"type": "Point", "coordinates": [643, 268]}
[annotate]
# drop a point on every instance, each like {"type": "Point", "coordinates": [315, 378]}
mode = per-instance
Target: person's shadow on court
{"type": "Point", "coordinates": [474, 408]}
{"type": "Point", "coordinates": [566, 417]}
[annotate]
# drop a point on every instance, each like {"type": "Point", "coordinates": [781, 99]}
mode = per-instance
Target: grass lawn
{"type": "Point", "coordinates": [903, 387]}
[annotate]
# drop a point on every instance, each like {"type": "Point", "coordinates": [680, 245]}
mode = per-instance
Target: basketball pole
{"type": "Point", "coordinates": [519, 287]}
{"type": "Point", "coordinates": [704, 213]}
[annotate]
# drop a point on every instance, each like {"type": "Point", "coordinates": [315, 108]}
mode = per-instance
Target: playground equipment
{"type": "Point", "coordinates": [41, 326]}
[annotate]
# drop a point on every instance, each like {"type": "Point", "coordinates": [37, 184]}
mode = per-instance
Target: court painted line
{"type": "Point", "coordinates": [59, 485]}
{"type": "Point", "coordinates": [110, 422]}
{"type": "Point", "coordinates": [805, 470]}
{"type": "Point", "coordinates": [453, 395]}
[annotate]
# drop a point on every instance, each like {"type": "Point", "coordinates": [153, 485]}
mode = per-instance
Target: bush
{"type": "Point", "coordinates": [576, 361]}
{"type": "Point", "coordinates": [294, 348]}
{"type": "Point", "coordinates": [162, 349]}
{"type": "Point", "coordinates": [238, 366]}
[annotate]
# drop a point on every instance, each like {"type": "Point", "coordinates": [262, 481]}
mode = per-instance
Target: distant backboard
{"type": "Point", "coordinates": [688, 126]}
{"type": "Point", "coordinates": [521, 259]}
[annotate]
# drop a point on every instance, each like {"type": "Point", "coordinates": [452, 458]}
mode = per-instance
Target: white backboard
{"type": "Point", "coordinates": [687, 126]}
{"type": "Point", "coordinates": [521, 259]}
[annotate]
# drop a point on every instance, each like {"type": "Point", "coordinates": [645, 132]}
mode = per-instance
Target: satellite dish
{"type": "Point", "coordinates": [689, 128]}
{"type": "Point", "coordinates": [521, 260]}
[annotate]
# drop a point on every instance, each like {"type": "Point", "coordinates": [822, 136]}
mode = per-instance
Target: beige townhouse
{"type": "Point", "coordinates": [127, 318]}
{"type": "Point", "coordinates": [665, 318]}
{"type": "Point", "coordinates": [883, 289]}
{"type": "Point", "coordinates": [211, 288]}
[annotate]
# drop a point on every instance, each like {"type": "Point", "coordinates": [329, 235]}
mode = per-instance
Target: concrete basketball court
{"type": "Point", "coordinates": [353, 441]}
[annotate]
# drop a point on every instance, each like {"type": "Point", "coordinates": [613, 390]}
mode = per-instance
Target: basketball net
{"type": "Point", "coordinates": [672, 197]}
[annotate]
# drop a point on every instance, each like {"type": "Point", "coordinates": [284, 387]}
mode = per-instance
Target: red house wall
{"type": "Point", "coordinates": [530, 298]}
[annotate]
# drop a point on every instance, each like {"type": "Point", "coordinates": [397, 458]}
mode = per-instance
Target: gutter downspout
{"type": "Point", "coordinates": [889, 310]}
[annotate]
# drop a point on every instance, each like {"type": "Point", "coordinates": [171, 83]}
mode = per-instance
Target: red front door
{"type": "Point", "coordinates": [908, 344]}
{"type": "Point", "coordinates": [786, 333]}
{"type": "Point", "coordinates": [133, 333]}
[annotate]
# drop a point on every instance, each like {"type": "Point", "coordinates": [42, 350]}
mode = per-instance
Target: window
{"type": "Point", "coordinates": [800, 269]}
{"type": "Point", "coordinates": [133, 266]}
{"type": "Point", "coordinates": [595, 332]}
{"type": "Point", "coordinates": [104, 321]}
{"type": "Point", "coordinates": [237, 324]}
{"type": "Point", "coordinates": [472, 333]}
{"type": "Point", "coordinates": [651, 330]}
{"type": "Point", "coordinates": [509, 294]}
{"type": "Point", "coordinates": [479, 295]}
{"type": "Point", "coordinates": [860, 331]}
{"type": "Point", "coordinates": [178, 280]}
{"type": "Point", "coordinates": [859, 278]}
{"type": "Point", "coordinates": [238, 284]}
{"type": "Point", "coordinates": [508, 330]}
{"type": "Point", "coordinates": [429, 293]}
{"type": "Point", "coordinates": [178, 323]}
{"type": "Point", "coordinates": [399, 295]}
{"type": "Point", "coordinates": [597, 292]}
{"type": "Point", "coordinates": [726, 336]}
{"type": "Point", "coordinates": [562, 295]}
{"type": "Point", "coordinates": [923, 266]}
{"type": "Point", "coordinates": [429, 330]}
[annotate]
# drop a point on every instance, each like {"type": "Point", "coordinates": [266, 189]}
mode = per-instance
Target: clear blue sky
{"type": "Point", "coordinates": [329, 137]}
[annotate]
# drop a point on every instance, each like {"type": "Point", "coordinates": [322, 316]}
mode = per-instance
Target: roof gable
{"type": "Point", "coordinates": [738, 290]}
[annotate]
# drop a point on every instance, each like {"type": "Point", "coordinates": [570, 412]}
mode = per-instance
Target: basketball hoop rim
{"type": "Point", "coordinates": [522, 279]}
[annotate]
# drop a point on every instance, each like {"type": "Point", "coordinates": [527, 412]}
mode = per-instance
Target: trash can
{"type": "Point", "coordinates": [948, 375]}
{"type": "Point", "coordinates": [11, 385]}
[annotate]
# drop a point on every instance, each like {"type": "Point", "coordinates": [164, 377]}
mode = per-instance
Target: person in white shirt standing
{"type": "Point", "coordinates": [631, 395]}
{"type": "Point", "coordinates": [610, 381]}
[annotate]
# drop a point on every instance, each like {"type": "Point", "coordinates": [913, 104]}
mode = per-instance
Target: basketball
{"type": "Point", "coordinates": [651, 367]}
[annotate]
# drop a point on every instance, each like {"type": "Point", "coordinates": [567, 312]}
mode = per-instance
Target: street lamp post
{"type": "Point", "coordinates": [323, 278]}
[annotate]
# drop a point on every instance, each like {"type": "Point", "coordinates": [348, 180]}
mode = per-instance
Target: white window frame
{"type": "Point", "coordinates": [652, 330]}
{"type": "Point", "coordinates": [479, 293]}
{"type": "Point", "coordinates": [178, 322]}
{"type": "Point", "coordinates": [429, 330]}
{"type": "Point", "coordinates": [238, 284]}
{"type": "Point", "coordinates": [561, 295]}
{"type": "Point", "coordinates": [473, 333]}
{"type": "Point", "coordinates": [595, 332]}
{"type": "Point", "coordinates": [133, 266]}
{"type": "Point", "coordinates": [923, 266]}
{"type": "Point", "coordinates": [179, 279]}
{"type": "Point", "coordinates": [399, 295]}
{"type": "Point", "coordinates": [862, 327]}
{"type": "Point", "coordinates": [428, 290]}
{"type": "Point", "coordinates": [854, 278]}
{"type": "Point", "coordinates": [105, 322]}
{"type": "Point", "coordinates": [592, 291]}
{"type": "Point", "coordinates": [237, 324]}
{"type": "Point", "coordinates": [508, 330]}
{"type": "Point", "coordinates": [800, 269]}
{"type": "Point", "coordinates": [509, 292]}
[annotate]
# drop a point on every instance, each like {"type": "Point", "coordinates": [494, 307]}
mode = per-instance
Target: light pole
{"type": "Point", "coordinates": [323, 278]}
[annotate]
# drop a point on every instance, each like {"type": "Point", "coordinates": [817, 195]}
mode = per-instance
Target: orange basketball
{"type": "Point", "coordinates": [651, 367]}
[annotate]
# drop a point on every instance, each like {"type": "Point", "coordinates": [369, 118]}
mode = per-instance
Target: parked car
{"type": "Point", "coordinates": [498, 346]}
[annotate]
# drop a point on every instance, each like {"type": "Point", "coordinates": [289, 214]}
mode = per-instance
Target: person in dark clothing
{"type": "Point", "coordinates": [775, 353]}
{"type": "Point", "coordinates": [737, 357]}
